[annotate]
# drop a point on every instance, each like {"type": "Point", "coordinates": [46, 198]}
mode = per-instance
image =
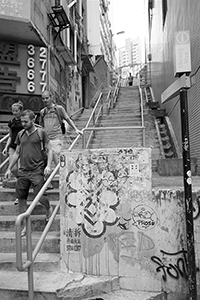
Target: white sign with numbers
{"type": "Point", "coordinates": [32, 52]}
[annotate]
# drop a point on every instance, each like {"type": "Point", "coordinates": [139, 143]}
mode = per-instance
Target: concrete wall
{"type": "Point", "coordinates": [113, 223]}
{"type": "Point", "coordinates": [181, 15]}
{"type": "Point", "coordinates": [93, 26]}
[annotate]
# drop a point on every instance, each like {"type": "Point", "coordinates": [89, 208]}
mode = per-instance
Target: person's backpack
{"type": "Point", "coordinates": [40, 132]}
{"type": "Point", "coordinates": [62, 124]}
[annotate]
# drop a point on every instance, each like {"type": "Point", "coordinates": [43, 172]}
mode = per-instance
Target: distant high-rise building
{"type": "Point", "coordinates": [130, 56]}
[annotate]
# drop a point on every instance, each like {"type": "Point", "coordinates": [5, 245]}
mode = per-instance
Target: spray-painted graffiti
{"type": "Point", "coordinates": [144, 217]}
{"type": "Point", "coordinates": [125, 246]}
{"type": "Point", "coordinates": [145, 242]}
{"type": "Point", "coordinates": [73, 242]}
{"type": "Point", "coordinates": [196, 208]}
{"type": "Point", "coordinates": [95, 187]}
{"type": "Point", "coordinates": [176, 270]}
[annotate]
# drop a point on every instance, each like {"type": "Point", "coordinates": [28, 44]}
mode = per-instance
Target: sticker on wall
{"type": "Point", "coordinates": [134, 170]}
{"type": "Point", "coordinates": [144, 217]}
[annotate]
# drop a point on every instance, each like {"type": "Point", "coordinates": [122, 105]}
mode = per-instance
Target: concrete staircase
{"type": "Point", "coordinates": [127, 113]}
{"type": "Point", "coordinates": [50, 283]}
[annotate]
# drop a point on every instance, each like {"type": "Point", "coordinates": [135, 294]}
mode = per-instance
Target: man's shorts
{"type": "Point", "coordinates": [56, 145]}
{"type": "Point", "coordinates": [27, 178]}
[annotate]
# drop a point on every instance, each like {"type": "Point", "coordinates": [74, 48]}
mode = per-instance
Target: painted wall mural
{"type": "Point", "coordinates": [114, 223]}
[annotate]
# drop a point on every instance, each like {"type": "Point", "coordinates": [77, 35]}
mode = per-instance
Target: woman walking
{"type": "Point", "coordinates": [15, 126]}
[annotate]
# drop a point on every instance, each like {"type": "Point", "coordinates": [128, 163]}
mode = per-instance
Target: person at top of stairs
{"type": "Point", "coordinates": [130, 79]}
{"type": "Point", "coordinates": [15, 126]}
{"type": "Point", "coordinates": [32, 168]}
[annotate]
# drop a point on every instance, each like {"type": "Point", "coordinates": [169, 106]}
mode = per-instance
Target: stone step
{"type": "Point", "coordinates": [115, 133]}
{"type": "Point", "coordinates": [129, 295]}
{"type": "Point", "coordinates": [128, 139]}
{"type": "Point", "coordinates": [118, 116]}
{"type": "Point", "coordinates": [103, 145]}
{"type": "Point", "coordinates": [8, 208]}
{"type": "Point", "coordinates": [11, 184]}
{"type": "Point", "coordinates": [120, 122]}
{"type": "Point", "coordinates": [8, 193]}
{"type": "Point", "coordinates": [38, 223]}
{"type": "Point", "coordinates": [44, 262]}
{"type": "Point", "coordinates": [50, 245]}
{"type": "Point", "coordinates": [55, 285]}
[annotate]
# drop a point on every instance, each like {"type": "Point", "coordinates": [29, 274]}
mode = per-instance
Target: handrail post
{"type": "Point", "coordinates": [93, 121]}
{"type": "Point", "coordinates": [143, 138]}
{"type": "Point", "coordinates": [101, 106]}
{"type": "Point", "coordinates": [29, 257]}
{"type": "Point", "coordinates": [83, 139]}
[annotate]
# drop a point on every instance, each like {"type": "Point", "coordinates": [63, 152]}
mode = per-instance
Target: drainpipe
{"type": "Point", "coordinates": [75, 47]}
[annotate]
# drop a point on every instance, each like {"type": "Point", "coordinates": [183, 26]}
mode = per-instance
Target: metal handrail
{"type": "Point", "coordinates": [4, 138]}
{"type": "Point", "coordinates": [112, 128]}
{"type": "Point", "coordinates": [7, 158]}
{"type": "Point", "coordinates": [92, 116]}
{"type": "Point", "coordinates": [142, 116]}
{"type": "Point", "coordinates": [76, 112]}
{"type": "Point", "coordinates": [32, 254]}
{"type": "Point", "coordinates": [4, 162]}
{"type": "Point", "coordinates": [156, 123]}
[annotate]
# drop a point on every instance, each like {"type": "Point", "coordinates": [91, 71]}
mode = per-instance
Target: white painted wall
{"type": "Point", "coordinates": [114, 223]}
{"type": "Point", "coordinates": [93, 26]}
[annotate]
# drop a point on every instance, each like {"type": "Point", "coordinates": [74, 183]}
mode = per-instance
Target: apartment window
{"type": "Point", "coordinates": [164, 10]}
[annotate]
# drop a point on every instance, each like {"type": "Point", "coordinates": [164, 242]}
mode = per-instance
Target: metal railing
{"type": "Point", "coordinates": [32, 253]}
{"type": "Point", "coordinates": [155, 121]}
{"type": "Point", "coordinates": [111, 104]}
{"type": "Point", "coordinates": [26, 216]}
{"type": "Point", "coordinates": [5, 161]}
{"type": "Point", "coordinates": [97, 112]}
{"type": "Point", "coordinates": [142, 116]}
{"type": "Point", "coordinates": [94, 119]}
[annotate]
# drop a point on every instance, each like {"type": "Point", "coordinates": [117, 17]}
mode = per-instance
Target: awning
{"type": "Point", "coordinates": [19, 31]}
{"type": "Point", "coordinates": [87, 62]}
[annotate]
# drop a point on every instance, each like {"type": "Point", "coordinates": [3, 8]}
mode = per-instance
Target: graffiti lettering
{"type": "Point", "coordinates": [144, 217]}
{"type": "Point", "coordinates": [73, 247]}
{"type": "Point", "coordinates": [196, 208]}
{"type": "Point", "coordinates": [145, 224]}
{"type": "Point", "coordinates": [173, 270]}
{"type": "Point", "coordinates": [123, 226]}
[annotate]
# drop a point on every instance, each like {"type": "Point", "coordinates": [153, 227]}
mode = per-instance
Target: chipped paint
{"type": "Point", "coordinates": [123, 223]}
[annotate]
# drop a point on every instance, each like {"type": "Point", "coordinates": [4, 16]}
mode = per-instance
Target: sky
{"type": "Point", "coordinates": [126, 15]}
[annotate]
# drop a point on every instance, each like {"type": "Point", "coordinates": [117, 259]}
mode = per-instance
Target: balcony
{"type": "Point", "coordinates": [15, 20]}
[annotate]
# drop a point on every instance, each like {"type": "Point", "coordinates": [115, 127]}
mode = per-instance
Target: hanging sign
{"type": "Point", "coordinates": [182, 57]}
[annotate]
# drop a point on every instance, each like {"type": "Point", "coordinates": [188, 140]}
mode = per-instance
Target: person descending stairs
{"type": "Point", "coordinates": [48, 278]}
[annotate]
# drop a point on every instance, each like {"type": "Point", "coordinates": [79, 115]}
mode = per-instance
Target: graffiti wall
{"type": "Point", "coordinates": [114, 223]}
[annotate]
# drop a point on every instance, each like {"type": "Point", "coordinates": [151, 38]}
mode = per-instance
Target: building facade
{"type": "Point", "coordinates": [164, 18]}
{"type": "Point", "coordinates": [44, 46]}
{"type": "Point", "coordinates": [100, 34]}
{"type": "Point", "coordinates": [130, 56]}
